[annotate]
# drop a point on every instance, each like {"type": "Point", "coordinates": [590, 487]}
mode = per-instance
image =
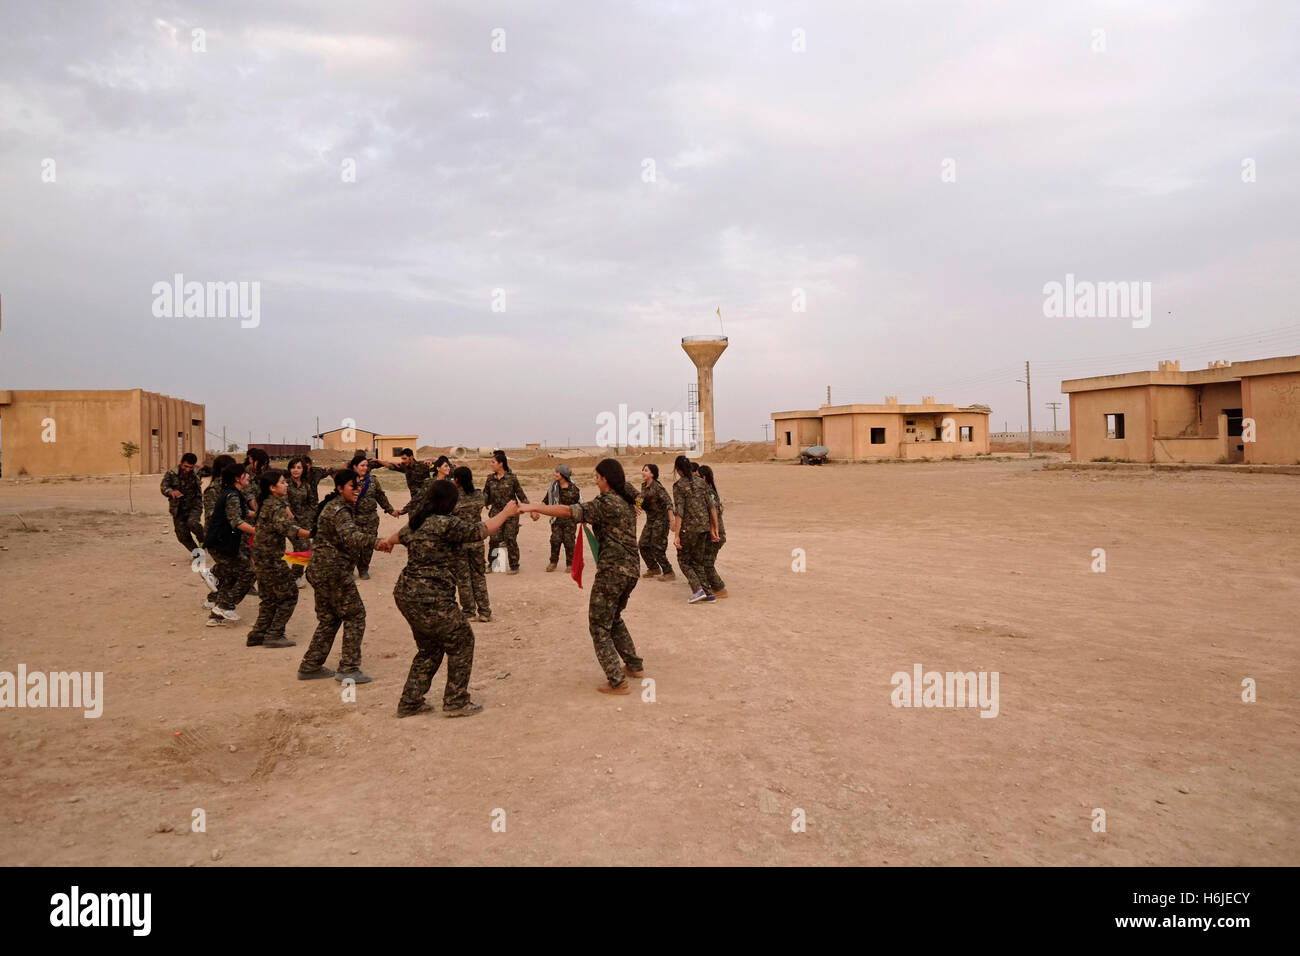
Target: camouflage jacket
{"type": "Point", "coordinates": [654, 500]}
{"type": "Point", "coordinates": [368, 504]}
{"type": "Point", "coordinates": [187, 485]}
{"type": "Point", "coordinates": [417, 473]}
{"type": "Point", "coordinates": [691, 504]}
{"type": "Point", "coordinates": [302, 502]}
{"type": "Point", "coordinates": [273, 526]}
{"type": "Point", "coordinates": [469, 508]}
{"type": "Point", "coordinates": [434, 553]}
{"type": "Point", "coordinates": [499, 491]}
{"type": "Point", "coordinates": [338, 543]}
{"type": "Point", "coordinates": [716, 502]}
{"type": "Point", "coordinates": [563, 496]}
{"type": "Point", "coordinates": [613, 521]}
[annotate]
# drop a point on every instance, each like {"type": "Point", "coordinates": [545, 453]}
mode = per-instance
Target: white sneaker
{"type": "Point", "coordinates": [228, 615]}
{"type": "Point", "coordinates": [302, 583]}
{"type": "Point", "coordinates": [209, 603]}
{"type": "Point", "coordinates": [215, 621]}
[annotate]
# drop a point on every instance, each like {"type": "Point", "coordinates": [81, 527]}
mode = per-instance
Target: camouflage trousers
{"type": "Point", "coordinates": [471, 581]}
{"type": "Point", "coordinates": [508, 536]}
{"type": "Point", "coordinates": [609, 635]}
{"type": "Point", "coordinates": [188, 525]}
{"type": "Point", "coordinates": [713, 582]}
{"type": "Point", "coordinates": [691, 558]}
{"type": "Point", "coordinates": [563, 534]}
{"type": "Point", "coordinates": [278, 595]}
{"type": "Point", "coordinates": [370, 525]}
{"type": "Point", "coordinates": [654, 544]}
{"type": "Point", "coordinates": [235, 577]}
{"type": "Point", "coordinates": [338, 602]}
{"type": "Point", "coordinates": [440, 630]}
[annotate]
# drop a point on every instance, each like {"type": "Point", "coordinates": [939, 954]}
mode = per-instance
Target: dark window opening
{"type": "Point", "coordinates": [877, 436]}
{"type": "Point", "coordinates": [1234, 422]}
{"type": "Point", "coordinates": [196, 421]}
{"type": "Point", "coordinates": [911, 421]}
{"type": "Point", "coordinates": [1114, 426]}
{"type": "Point", "coordinates": [787, 438]}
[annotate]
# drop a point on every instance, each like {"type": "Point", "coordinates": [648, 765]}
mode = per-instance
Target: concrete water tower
{"type": "Point", "coordinates": [705, 350]}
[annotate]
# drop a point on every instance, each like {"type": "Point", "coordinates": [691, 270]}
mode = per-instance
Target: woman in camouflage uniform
{"type": "Point", "coordinates": [612, 516]}
{"type": "Point", "coordinates": [370, 499]}
{"type": "Point", "coordinates": [712, 580]}
{"type": "Point", "coordinates": [694, 520]}
{"type": "Point", "coordinates": [339, 541]}
{"type": "Point", "coordinates": [275, 584]}
{"type": "Point", "coordinates": [226, 540]}
{"type": "Point", "coordinates": [426, 596]}
{"type": "Point", "coordinates": [656, 503]}
{"type": "Point", "coordinates": [502, 487]}
{"type": "Point", "coordinates": [471, 578]}
{"type": "Point", "coordinates": [210, 495]}
{"type": "Point", "coordinates": [563, 530]}
{"type": "Point", "coordinates": [302, 504]}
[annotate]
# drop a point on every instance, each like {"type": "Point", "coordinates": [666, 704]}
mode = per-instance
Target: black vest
{"type": "Point", "coordinates": [221, 537]}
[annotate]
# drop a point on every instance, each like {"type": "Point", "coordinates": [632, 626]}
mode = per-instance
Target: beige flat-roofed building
{"type": "Point", "coordinates": [891, 430]}
{"type": "Point", "coordinates": [80, 432]}
{"type": "Point", "coordinates": [376, 444]}
{"type": "Point", "coordinates": [1204, 415]}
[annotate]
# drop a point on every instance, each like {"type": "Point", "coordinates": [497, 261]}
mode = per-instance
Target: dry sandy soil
{"type": "Point", "coordinates": [1119, 691]}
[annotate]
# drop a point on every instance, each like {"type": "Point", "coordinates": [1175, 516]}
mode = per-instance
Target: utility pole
{"type": "Point", "coordinates": [313, 444]}
{"type": "Point", "coordinates": [224, 446]}
{"type": "Point", "coordinates": [1053, 406]}
{"type": "Point", "coordinates": [765, 424]}
{"type": "Point", "coordinates": [828, 394]}
{"type": "Point", "coordinates": [1029, 409]}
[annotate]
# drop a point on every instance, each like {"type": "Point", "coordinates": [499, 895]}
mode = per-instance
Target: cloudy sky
{"type": "Point", "coordinates": [911, 173]}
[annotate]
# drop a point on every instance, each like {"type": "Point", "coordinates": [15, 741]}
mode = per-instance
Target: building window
{"type": "Point", "coordinates": [1114, 426]}
{"type": "Point", "coordinates": [196, 421]}
{"type": "Point", "coordinates": [877, 436]}
{"type": "Point", "coordinates": [967, 432]}
{"type": "Point", "coordinates": [787, 438]}
{"type": "Point", "coordinates": [397, 452]}
{"type": "Point", "coordinates": [1234, 422]}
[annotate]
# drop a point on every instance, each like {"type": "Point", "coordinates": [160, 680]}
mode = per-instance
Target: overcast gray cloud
{"type": "Point", "coordinates": [775, 170]}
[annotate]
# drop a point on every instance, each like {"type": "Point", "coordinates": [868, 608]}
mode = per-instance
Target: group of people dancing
{"type": "Point", "coordinates": [266, 531]}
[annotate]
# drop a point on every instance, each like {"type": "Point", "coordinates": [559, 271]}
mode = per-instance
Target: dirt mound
{"type": "Point", "coordinates": [738, 451]}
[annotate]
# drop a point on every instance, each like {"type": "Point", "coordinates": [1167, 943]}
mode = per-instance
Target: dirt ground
{"type": "Point", "coordinates": [1119, 690]}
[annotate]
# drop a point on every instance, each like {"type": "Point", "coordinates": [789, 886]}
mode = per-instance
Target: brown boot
{"type": "Point", "coordinates": [652, 573]}
{"type": "Point", "coordinates": [620, 689]}
{"type": "Point", "coordinates": [668, 576]}
{"type": "Point", "coordinates": [721, 593]}
{"type": "Point", "coordinates": [632, 673]}
{"type": "Point", "coordinates": [551, 566]}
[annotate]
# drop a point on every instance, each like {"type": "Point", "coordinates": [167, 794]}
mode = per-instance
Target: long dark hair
{"type": "Point", "coordinates": [296, 460]}
{"type": "Point", "coordinates": [500, 456]}
{"type": "Point", "coordinates": [465, 478]}
{"type": "Point", "coordinates": [612, 472]}
{"type": "Point", "coordinates": [341, 478]}
{"type": "Point", "coordinates": [440, 499]}
{"type": "Point", "coordinates": [219, 466]}
{"type": "Point", "coordinates": [265, 482]}
{"type": "Point", "coordinates": [654, 470]}
{"type": "Point", "coordinates": [683, 465]}
{"type": "Point", "coordinates": [258, 458]}
{"type": "Point", "coordinates": [230, 474]}
{"type": "Point", "coordinates": [707, 474]}
{"type": "Point", "coordinates": [442, 460]}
